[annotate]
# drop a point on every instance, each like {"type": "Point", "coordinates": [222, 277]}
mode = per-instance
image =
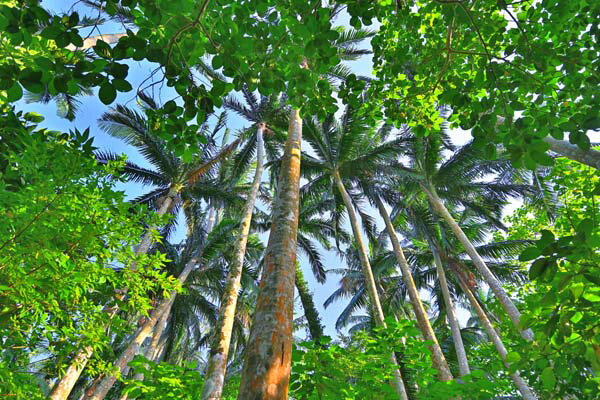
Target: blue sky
{"type": "Point", "coordinates": [91, 109]}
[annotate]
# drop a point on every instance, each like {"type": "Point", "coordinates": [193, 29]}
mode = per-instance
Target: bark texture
{"type": "Point", "coordinates": [521, 385]}
{"type": "Point", "coordinates": [217, 363]}
{"type": "Point", "coordinates": [437, 356]}
{"type": "Point", "coordinates": [481, 266]}
{"type": "Point", "coordinates": [459, 347]}
{"type": "Point", "coordinates": [267, 364]}
{"type": "Point", "coordinates": [64, 386]}
{"type": "Point", "coordinates": [369, 278]}
{"type": "Point", "coordinates": [573, 152]}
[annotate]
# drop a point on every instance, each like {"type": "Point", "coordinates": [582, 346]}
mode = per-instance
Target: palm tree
{"type": "Point", "coordinates": [393, 294]}
{"type": "Point", "coordinates": [268, 358]}
{"type": "Point", "coordinates": [493, 335]}
{"type": "Point", "coordinates": [211, 252]}
{"type": "Point", "coordinates": [345, 150]}
{"type": "Point", "coordinates": [376, 194]}
{"type": "Point", "coordinates": [457, 182]}
{"type": "Point", "coordinates": [439, 247]}
{"type": "Point", "coordinates": [171, 176]}
{"type": "Point", "coordinates": [215, 375]}
{"type": "Point", "coordinates": [312, 227]}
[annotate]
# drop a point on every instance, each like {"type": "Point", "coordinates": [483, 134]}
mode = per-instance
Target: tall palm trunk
{"type": "Point", "coordinates": [153, 347]}
{"type": "Point", "coordinates": [483, 269]}
{"type": "Point", "coordinates": [521, 385]}
{"type": "Point", "coordinates": [369, 278]}
{"type": "Point", "coordinates": [437, 356]}
{"type": "Point", "coordinates": [120, 364]}
{"type": "Point", "coordinates": [212, 218]}
{"type": "Point", "coordinates": [217, 363]}
{"type": "Point", "coordinates": [310, 311]}
{"type": "Point", "coordinates": [63, 388]}
{"type": "Point", "coordinates": [267, 364]}
{"type": "Point", "coordinates": [459, 347]}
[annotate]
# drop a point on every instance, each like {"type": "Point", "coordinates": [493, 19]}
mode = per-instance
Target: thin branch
{"type": "Point", "coordinates": [185, 28]}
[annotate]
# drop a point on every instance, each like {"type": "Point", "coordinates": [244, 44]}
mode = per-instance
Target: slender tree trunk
{"type": "Point", "coordinates": [212, 218]}
{"type": "Point", "coordinates": [459, 347]}
{"type": "Point", "coordinates": [589, 157]}
{"type": "Point", "coordinates": [217, 362]}
{"type": "Point", "coordinates": [368, 275]}
{"type": "Point", "coordinates": [160, 349]}
{"type": "Point", "coordinates": [483, 269]}
{"type": "Point", "coordinates": [308, 305]}
{"type": "Point", "coordinates": [267, 364]}
{"type": "Point", "coordinates": [152, 349]}
{"type": "Point", "coordinates": [132, 348]}
{"type": "Point", "coordinates": [521, 385]}
{"type": "Point", "coordinates": [437, 356]}
{"type": "Point", "coordinates": [63, 388]}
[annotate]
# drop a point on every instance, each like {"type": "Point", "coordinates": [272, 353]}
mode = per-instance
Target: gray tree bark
{"type": "Point", "coordinates": [522, 386]}
{"type": "Point", "coordinates": [459, 347]}
{"type": "Point", "coordinates": [398, 381]}
{"type": "Point", "coordinates": [481, 266]}
{"type": "Point", "coordinates": [437, 356]}
{"type": "Point", "coordinates": [217, 362]}
{"type": "Point", "coordinates": [589, 157]}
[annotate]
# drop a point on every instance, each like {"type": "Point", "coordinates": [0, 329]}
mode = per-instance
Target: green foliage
{"type": "Point", "coordinates": [563, 299]}
{"type": "Point", "coordinates": [169, 381]}
{"type": "Point", "coordinates": [163, 380]}
{"type": "Point", "coordinates": [532, 63]}
{"type": "Point", "coordinates": [360, 368]}
{"type": "Point", "coordinates": [67, 245]}
{"type": "Point", "coordinates": [20, 384]}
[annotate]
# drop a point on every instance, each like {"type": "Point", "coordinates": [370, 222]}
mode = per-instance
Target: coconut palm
{"type": "Point", "coordinates": [376, 193]}
{"type": "Point", "coordinates": [266, 373]}
{"type": "Point", "coordinates": [215, 375]}
{"type": "Point", "coordinates": [171, 176]}
{"type": "Point", "coordinates": [344, 150]}
{"type": "Point", "coordinates": [457, 181]}
{"type": "Point", "coordinates": [435, 250]}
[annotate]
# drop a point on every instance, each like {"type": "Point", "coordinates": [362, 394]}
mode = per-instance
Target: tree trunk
{"type": "Point", "coordinates": [132, 348]}
{"type": "Point", "coordinates": [589, 157]}
{"type": "Point", "coordinates": [217, 362]}
{"type": "Point", "coordinates": [368, 275]}
{"type": "Point", "coordinates": [63, 388]}
{"type": "Point", "coordinates": [564, 148]}
{"type": "Point", "coordinates": [267, 364]}
{"type": "Point", "coordinates": [212, 218]}
{"type": "Point", "coordinates": [153, 347]}
{"type": "Point", "coordinates": [308, 305]}
{"type": "Point", "coordinates": [459, 347]}
{"type": "Point", "coordinates": [521, 385]}
{"type": "Point", "coordinates": [489, 277]}
{"type": "Point", "coordinates": [437, 356]}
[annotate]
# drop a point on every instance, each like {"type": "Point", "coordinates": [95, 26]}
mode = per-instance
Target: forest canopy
{"type": "Point", "coordinates": [284, 199]}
